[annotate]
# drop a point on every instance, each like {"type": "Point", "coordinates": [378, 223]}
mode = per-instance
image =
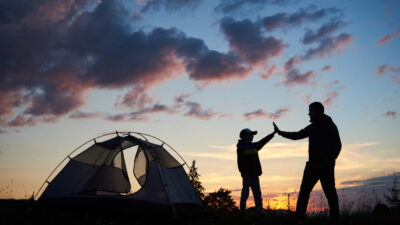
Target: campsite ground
{"type": "Point", "coordinates": [28, 212]}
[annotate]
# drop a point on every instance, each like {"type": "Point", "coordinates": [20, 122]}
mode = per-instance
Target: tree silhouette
{"type": "Point", "coordinates": [394, 197]}
{"type": "Point", "coordinates": [194, 178]}
{"type": "Point", "coordinates": [220, 199]}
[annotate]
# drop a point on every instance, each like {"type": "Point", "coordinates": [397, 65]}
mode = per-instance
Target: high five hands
{"type": "Point", "coordinates": [276, 129]}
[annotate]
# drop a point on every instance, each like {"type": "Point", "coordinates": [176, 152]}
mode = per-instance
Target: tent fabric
{"type": "Point", "coordinates": [100, 172]}
{"type": "Point", "coordinates": [180, 188]}
{"type": "Point", "coordinates": [153, 190]}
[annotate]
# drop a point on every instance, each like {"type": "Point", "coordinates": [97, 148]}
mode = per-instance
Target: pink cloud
{"type": "Point", "coordinates": [197, 111]}
{"type": "Point", "coordinates": [141, 114]}
{"type": "Point", "coordinates": [260, 113]}
{"type": "Point", "coordinates": [182, 98]}
{"type": "Point", "coordinates": [331, 46]}
{"type": "Point", "coordinates": [285, 20]}
{"type": "Point", "coordinates": [332, 84]}
{"type": "Point", "coordinates": [21, 121]}
{"type": "Point", "coordinates": [83, 115]}
{"type": "Point", "coordinates": [330, 97]}
{"type": "Point", "coordinates": [388, 37]}
{"type": "Point", "coordinates": [269, 71]}
{"type": "Point", "coordinates": [9, 101]}
{"type": "Point", "coordinates": [396, 80]}
{"type": "Point", "coordinates": [327, 68]}
{"type": "Point", "coordinates": [391, 114]}
{"type": "Point", "coordinates": [382, 69]}
{"type": "Point", "coordinates": [294, 77]}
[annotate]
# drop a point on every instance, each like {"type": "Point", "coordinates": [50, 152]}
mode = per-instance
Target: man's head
{"type": "Point", "coordinates": [315, 110]}
{"type": "Point", "coordinates": [247, 135]}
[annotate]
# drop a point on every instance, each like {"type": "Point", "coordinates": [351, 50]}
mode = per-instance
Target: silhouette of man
{"type": "Point", "coordinates": [250, 167]}
{"type": "Point", "coordinates": [324, 146]}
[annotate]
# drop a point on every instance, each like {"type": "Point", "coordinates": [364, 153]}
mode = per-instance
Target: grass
{"type": "Point", "coordinates": [29, 212]}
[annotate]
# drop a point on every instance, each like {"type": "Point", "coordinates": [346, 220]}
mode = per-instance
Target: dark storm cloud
{"type": "Point", "coordinates": [230, 6]}
{"type": "Point", "coordinates": [245, 37]}
{"type": "Point", "coordinates": [54, 52]}
{"type": "Point", "coordinates": [285, 20]}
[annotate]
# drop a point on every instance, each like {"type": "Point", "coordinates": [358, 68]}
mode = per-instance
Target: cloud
{"type": "Point", "coordinates": [141, 114]}
{"type": "Point", "coordinates": [181, 98]}
{"type": "Point", "coordinates": [333, 93]}
{"type": "Point", "coordinates": [330, 46]}
{"type": "Point", "coordinates": [83, 115]}
{"type": "Point", "coordinates": [137, 97]}
{"type": "Point", "coordinates": [322, 32]}
{"type": "Point", "coordinates": [330, 97]}
{"type": "Point", "coordinates": [79, 46]}
{"type": "Point", "coordinates": [260, 113]}
{"type": "Point", "coordinates": [246, 39]}
{"type": "Point", "coordinates": [396, 79]}
{"type": "Point", "coordinates": [232, 6]}
{"type": "Point", "coordinates": [285, 20]}
{"type": "Point", "coordinates": [327, 68]}
{"type": "Point", "coordinates": [295, 77]}
{"type": "Point", "coordinates": [21, 121]}
{"type": "Point", "coordinates": [170, 5]}
{"type": "Point", "coordinates": [388, 37]}
{"type": "Point", "coordinates": [391, 114]}
{"type": "Point", "coordinates": [269, 71]}
{"type": "Point", "coordinates": [382, 69]}
{"type": "Point", "coordinates": [332, 84]}
{"type": "Point", "coordinates": [197, 111]}
{"type": "Point", "coordinates": [371, 181]}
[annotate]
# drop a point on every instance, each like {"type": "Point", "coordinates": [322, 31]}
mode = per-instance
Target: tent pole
{"type": "Point", "coordinates": [166, 189]}
{"type": "Point", "coordinates": [122, 156]}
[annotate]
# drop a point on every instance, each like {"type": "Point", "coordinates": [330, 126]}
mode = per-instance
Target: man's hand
{"type": "Point", "coordinates": [276, 129]}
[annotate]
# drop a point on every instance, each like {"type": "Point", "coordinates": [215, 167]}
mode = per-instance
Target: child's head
{"type": "Point", "coordinates": [247, 135]}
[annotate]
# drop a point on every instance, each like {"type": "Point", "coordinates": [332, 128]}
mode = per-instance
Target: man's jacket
{"type": "Point", "coordinates": [247, 156]}
{"type": "Point", "coordinates": [324, 143]}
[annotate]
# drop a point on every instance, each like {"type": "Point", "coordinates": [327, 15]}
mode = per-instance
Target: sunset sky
{"type": "Point", "coordinates": [194, 73]}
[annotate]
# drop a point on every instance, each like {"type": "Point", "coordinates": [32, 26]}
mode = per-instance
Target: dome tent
{"type": "Point", "coordinates": [99, 175]}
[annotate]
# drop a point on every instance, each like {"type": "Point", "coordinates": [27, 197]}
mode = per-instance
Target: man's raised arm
{"type": "Point", "coordinates": [293, 135]}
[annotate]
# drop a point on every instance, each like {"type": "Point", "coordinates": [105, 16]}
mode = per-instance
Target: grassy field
{"type": "Point", "coordinates": [29, 212]}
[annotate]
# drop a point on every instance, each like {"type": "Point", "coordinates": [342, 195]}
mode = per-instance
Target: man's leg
{"type": "Point", "coordinates": [255, 188]}
{"type": "Point", "coordinates": [245, 193]}
{"type": "Point", "coordinates": [310, 178]}
{"type": "Point", "coordinates": [328, 185]}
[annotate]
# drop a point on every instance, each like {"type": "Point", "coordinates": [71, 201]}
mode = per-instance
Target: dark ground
{"type": "Point", "coordinates": [29, 212]}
